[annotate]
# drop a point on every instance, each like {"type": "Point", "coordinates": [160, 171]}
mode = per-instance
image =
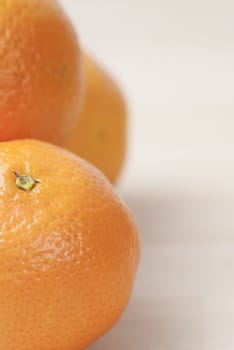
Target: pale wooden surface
{"type": "Point", "coordinates": [184, 295]}
{"type": "Point", "coordinates": [175, 60]}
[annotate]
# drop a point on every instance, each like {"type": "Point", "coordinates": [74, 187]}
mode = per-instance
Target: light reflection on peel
{"type": "Point", "coordinates": [3, 168]}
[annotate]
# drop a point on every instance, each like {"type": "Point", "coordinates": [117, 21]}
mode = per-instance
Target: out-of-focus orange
{"type": "Point", "coordinates": [100, 134]}
{"type": "Point", "coordinates": [40, 71]}
{"type": "Point", "coordinates": [68, 249]}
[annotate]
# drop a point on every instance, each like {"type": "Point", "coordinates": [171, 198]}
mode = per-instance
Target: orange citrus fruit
{"type": "Point", "coordinates": [68, 249]}
{"type": "Point", "coordinates": [40, 71]}
{"type": "Point", "coordinates": [100, 134]}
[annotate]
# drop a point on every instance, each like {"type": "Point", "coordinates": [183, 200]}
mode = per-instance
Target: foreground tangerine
{"type": "Point", "coordinates": [100, 135]}
{"type": "Point", "coordinates": [68, 249]}
{"type": "Point", "coordinates": [40, 71]}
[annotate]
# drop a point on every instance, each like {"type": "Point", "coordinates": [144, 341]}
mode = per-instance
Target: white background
{"type": "Point", "coordinates": [175, 61]}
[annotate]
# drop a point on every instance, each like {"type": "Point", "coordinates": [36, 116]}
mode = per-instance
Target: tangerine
{"type": "Point", "coordinates": [40, 71]}
{"type": "Point", "coordinates": [100, 135]}
{"type": "Point", "coordinates": [69, 249]}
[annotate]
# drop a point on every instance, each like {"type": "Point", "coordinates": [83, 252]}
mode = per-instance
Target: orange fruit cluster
{"type": "Point", "coordinates": [69, 247]}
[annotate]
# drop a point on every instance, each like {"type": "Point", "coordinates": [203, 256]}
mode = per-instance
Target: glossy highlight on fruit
{"type": "Point", "coordinates": [69, 250]}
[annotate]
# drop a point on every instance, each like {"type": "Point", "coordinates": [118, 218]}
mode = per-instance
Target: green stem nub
{"type": "Point", "coordinates": [25, 182]}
